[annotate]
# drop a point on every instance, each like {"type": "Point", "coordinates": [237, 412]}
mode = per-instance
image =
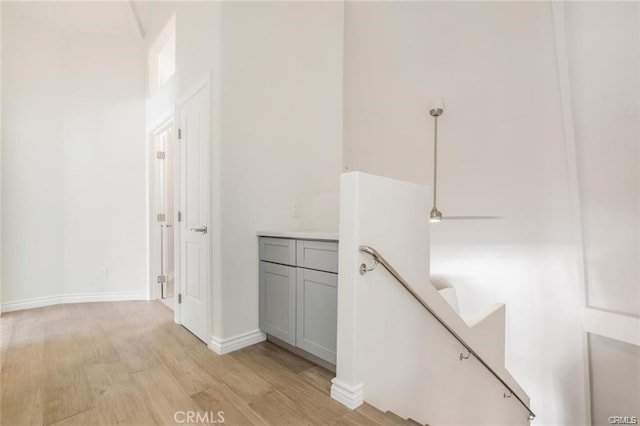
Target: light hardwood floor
{"type": "Point", "coordinates": [128, 363]}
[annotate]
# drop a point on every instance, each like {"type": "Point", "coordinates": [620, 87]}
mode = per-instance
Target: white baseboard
{"type": "Point", "coordinates": [350, 396]}
{"type": "Point", "coordinates": [39, 302]}
{"type": "Point", "coordinates": [230, 344]}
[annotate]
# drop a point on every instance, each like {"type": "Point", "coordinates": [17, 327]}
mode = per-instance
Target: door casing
{"type": "Point", "coordinates": [166, 122]}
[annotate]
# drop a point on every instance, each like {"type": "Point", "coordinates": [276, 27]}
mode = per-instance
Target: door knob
{"type": "Point", "coordinates": [201, 229]}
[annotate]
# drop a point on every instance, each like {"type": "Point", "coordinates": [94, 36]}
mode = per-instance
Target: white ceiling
{"type": "Point", "coordinates": [85, 17]}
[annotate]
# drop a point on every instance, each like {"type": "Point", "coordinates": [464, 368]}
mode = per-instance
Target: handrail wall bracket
{"type": "Point", "coordinates": [364, 269]}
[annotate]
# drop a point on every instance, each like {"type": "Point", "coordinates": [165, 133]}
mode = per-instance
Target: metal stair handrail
{"type": "Point", "coordinates": [379, 259]}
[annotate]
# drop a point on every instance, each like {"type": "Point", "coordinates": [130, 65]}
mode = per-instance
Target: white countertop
{"type": "Point", "coordinates": [303, 235]}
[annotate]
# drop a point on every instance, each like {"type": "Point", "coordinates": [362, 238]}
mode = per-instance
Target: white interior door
{"type": "Point", "coordinates": [194, 138]}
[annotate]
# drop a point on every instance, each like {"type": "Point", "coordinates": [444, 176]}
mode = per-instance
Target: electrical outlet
{"type": "Point", "coordinates": [103, 273]}
{"type": "Point", "coordinates": [294, 209]}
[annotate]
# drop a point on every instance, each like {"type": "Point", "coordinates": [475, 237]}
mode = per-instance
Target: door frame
{"type": "Point", "coordinates": [167, 121]}
{"type": "Point", "coordinates": [214, 236]}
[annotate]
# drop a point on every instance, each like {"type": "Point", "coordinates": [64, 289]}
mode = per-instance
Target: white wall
{"type": "Point", "coordinates": [197, 49]}
{"type": "Point", "coordinates": [615, 371]}
{"type": "Point", "coordinates": [104, 180]}
{"type": "Point", "coordinates": [281, 131]}
{"type": "Point", "coordinates": [32, 160]}
{"type": "Point", "coordinates": [0, 158]}
{"type": "Point", "coordinates": [197, 58]}
{"type": "Point", "coordinates": [603, 44]}
{"type": "Point", "coordinates": [501, 153]}
{"type": "Point", "coordinates": [277, 126]}
{"type": "Point", "coordinates": [73, 168]}
{"type": "Point", "coordinates": [603, 48]}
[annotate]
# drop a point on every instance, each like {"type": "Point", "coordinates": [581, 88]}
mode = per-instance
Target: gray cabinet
{"type": "Point", "coordinates": [298, 293]}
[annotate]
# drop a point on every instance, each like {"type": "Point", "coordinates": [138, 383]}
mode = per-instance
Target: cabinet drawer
{"type": "Point", "coordinates": [278, 250]}
{"type": "Point", "coordinates": [319, 255]}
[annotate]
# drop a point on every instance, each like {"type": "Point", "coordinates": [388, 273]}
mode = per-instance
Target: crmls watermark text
{"type": "Point", "coordinates": [623, 420]}
{"type": "Point", "coordinates": [195, 417]}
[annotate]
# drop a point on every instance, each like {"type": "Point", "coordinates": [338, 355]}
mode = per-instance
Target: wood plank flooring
{"type": "Point", "coordinates": [122, 363]}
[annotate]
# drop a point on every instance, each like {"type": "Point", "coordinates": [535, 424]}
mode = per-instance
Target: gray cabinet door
{"type": "Point", "coordinates": [278, 301]}
{"type": "Point", "coordinates": [317, 316]}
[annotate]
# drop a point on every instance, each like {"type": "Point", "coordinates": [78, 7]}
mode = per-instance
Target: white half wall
{"type": "Point", "coordinates": [390, 346]}
{"type": "Point", "coordinates": [73, 163]}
